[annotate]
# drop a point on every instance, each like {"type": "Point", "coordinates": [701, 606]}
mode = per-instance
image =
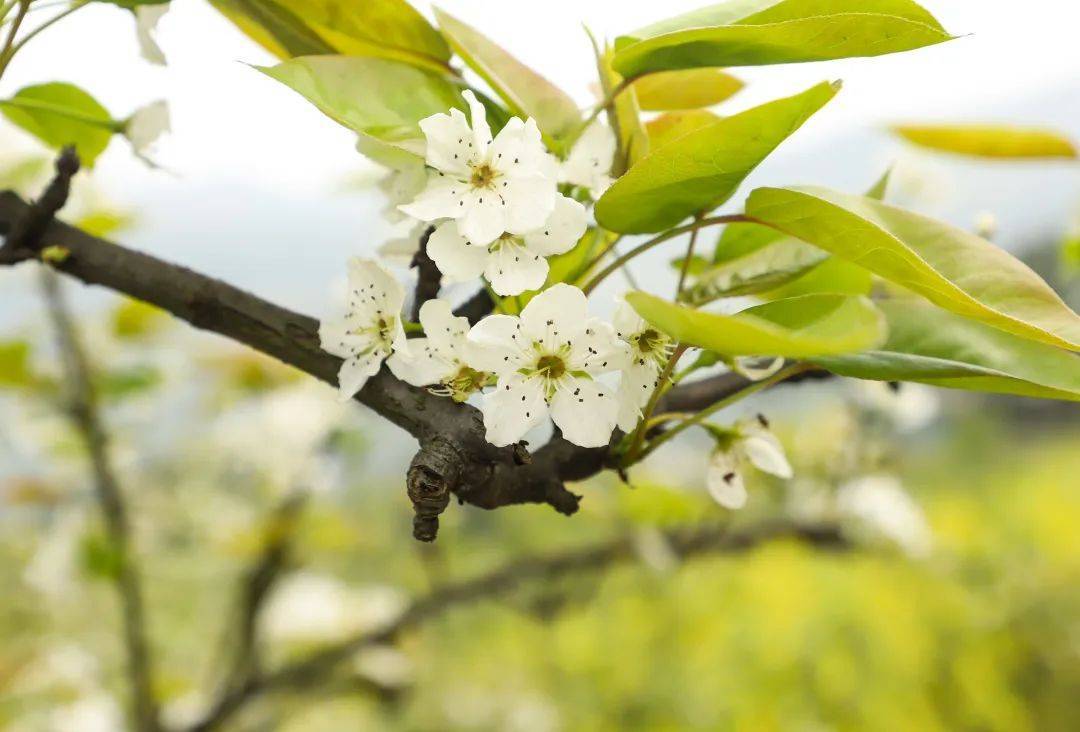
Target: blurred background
{"type": "Point", "coordinates": [957, 605]}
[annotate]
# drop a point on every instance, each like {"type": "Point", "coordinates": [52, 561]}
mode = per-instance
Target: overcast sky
{"type": "Point", "coordinates": [254, 162]}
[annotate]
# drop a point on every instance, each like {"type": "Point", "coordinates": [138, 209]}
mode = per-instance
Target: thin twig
{"type": "Point", "coordinates": [8, 50]}
{"type": "Point", "coordinates": [684, 543]}
{"type": "Point", "coordinates": [686, 263]}
{"type": "Point", "coordinates": [51, 21]}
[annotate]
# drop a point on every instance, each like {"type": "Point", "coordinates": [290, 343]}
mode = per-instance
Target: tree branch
{"type": "Point", "coordinates": [684, 543]}
{"type": "Point", "coordinates": [455, 459]}
{"type": "Point", "coordinates": [428, 276]}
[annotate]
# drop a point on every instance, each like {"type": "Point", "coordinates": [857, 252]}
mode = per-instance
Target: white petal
{"type": "Point", "coordinates": [724, 482]}
{"type": "Point", "coordinates": [512, 269]}
{"type": "Point", "coordinates": [561, 309]}
{"type": "Point", "coordinates": [496, 340]}
{"type": "Point", "coordinates": [480, 128]}
{"type": "Point", "coordinates": [763, 449]}
{"type": "Point", "coordinates": [456, 258]}
{"type": "Point", "coordinates": [597, 350]}
{"type": "Point", "coordinates": [756, 368]}
{"type": "Point", "coordinates": [355, 372]}
{"type": "Point", "coordinates": [449, 142]}
{"type": "Point", "coordinates": [423, 365]}
{"type": "Point", "coordinates": [146, 125]}
{"type": "Point", "coordinates": [401, 186]}
{"type": "Point", "coordinates": [528, 202]}
{"type": "Point", "coordinates": [516, 406]}
{"type": "Point", "coordinates": [401, 249]}
{"type": "Point", "coordinates": [590, 160]}
{"type": "Point", "coordinates": [585, 411]}
{"type": "Point", "coordinates": [484, 216]}
{"type": "Point", "coordinates": [626, 320]}
{"type": "Point", "coordinates": [446, 331]}
{"type": "Point", "coordinates": [443, 198]}
{"type": "Point", "coordinates": [518, 150]}
{"type": "Point", "coordinates": [372, 287]}
{"type": "Point", "coordinates": [562, 230]}
{"type": "Point", "coordinates": [146, 20]}
{"type": "Point", "coordinates": [636, 385]}
{"type": "Point", "coordinates": [336, 338]}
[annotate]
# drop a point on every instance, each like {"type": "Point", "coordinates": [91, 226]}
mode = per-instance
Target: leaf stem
{"type": "Point", "coordinates": [650, 407]}
{"type": "Point", "coordinates": [698, 223]}
{"type": "Point", "coordinates": [686, 262]}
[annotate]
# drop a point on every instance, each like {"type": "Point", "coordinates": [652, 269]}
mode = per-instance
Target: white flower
{"type": "Point", "coordinates": [590, 160]}
{"type": "Point", "coordinates": [909, 406]}
{"type": "Point", "coordinates": [752, 441]}
{"type": "Point", "coordinates": [371, 329]}
{"type": "Point", "coordinates": [512, 263]}
{"type": "Point", "coordinates": [442, 357]}
{"type": "Point", "coordinates": [880, 505]}
{"type": "Point", "coordinates": [400, 186]}
{"type": "Point", "coordinates": [649, 351]}
{"type": "Point", "coordinates": [488, 186]}
{"type": "Point", "coordinates": [756, 368]}
{"type": "Point", "coordinates": [146, 20]}
{"type": "Point", "coordinates": [400, 250]}
{"type": "Point", "coordinates": [546, 361]}
{"type": "Point", "coordinates": [146, 125]}
{"type": "Point", "coordinates": [307, 607]}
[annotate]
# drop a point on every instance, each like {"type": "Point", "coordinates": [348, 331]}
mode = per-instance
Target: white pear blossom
{"type": "Point", "coordinates": [750, 442]}
{"type": "Point", "coordinates": [146, 20]}
{"type": "Point", "coordinates": [370, 330]}
{"type": "Point", "coordinates": [649, 351]}
{"type": "Point", "coordinates": [488, 186]}
{"type": "Point", "coordinates": [879, 505]}
{"type": "Point", "coordinates": [146, 125]}
{"type": "Point", "coordinates": [400, 186]}
{"type": "Point", "coordinates": [512, 263]}
{"type": "Point", "coordinates": [442, 357]}
{"type": "Point", "coordinates": [547, 361]}
{"type": "Point", "coordinates": [909, 406]}
{"type": "Point", "coordinates": [590, 160]}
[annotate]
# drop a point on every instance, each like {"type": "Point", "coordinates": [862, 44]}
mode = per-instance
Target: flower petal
{"type": "Point", "coordinates": [516, 406]}
{"type": "Point", "coordinates": [585, 410]}
{"type": "Point", "coordinates": [355, 372]}
{"type": "Point", "coordinates": [512, 269]}
{"type": "Point", "coordinates": [590, 160]}
{"type": "Point", "coordinates": [562, 230]}
{"type": "Point", "coordinates": [763, 449]}
{"type": "Point", "coordinates": [456, 258]}
{"type": "Point", "coordinates": [597, 350]}
{"type": "Point", "coordinates": [483, 217]}
{"type": "Point", "coordinates": [336, 338]}
{"type": "Point", "coordinates": [636, 384]}
{"type": "Point", "coordinates": [518, 150]}
{"type": "Point", "coordinates": [556, 316]}
{"type": "Point", "coordinates": [481, 131]}
{"type": "Point", "coordinates": [528, 202]}
{"type": "Point", "coordinates": [496, 345]}
{"type": "Point", "coordinates": [373, 288]}
{"type": "Point", "coordinates": [446, 331]}
{"type": "Point", "coordinates": [443, 198]}
{"type": "Point", "coordinates": [146, 20]}
{"type": "Point", "coordinates": [626, 320]}
{"type": "Point", "coordinates": [724, 482]}
{"type": "Point", "coordinates": [423, 365]}
{"type": "Point", "coordinates": [449, 142]}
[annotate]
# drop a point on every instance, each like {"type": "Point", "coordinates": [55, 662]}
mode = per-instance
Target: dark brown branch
{"type": "Point", "coordinates": [455, 459]}
{"type": "Point", "coordinates": [476, 307]}
{"type": "Point", "coordinates": [428, 276]}
{"type": "Point", "coordinates": [684, 543]}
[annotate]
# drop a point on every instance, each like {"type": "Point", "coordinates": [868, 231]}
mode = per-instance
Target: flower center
{"type": "Point", "coordinates": [466, 381]}
{"type": "Point", "coordinates": [483, 176]}
{"type": "Point", "coordinates": [650, 340]}
{"type": "Point", "coordinates": [550, 367]}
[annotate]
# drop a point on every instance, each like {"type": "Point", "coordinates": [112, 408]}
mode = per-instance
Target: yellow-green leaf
{"type": "Point", "coordinates": [274, 27]}
{"type": "Point", "coordinates": [761, 32]}
{"type": "Point", "coordinates": [798, 327]}
{"type": "Point", "coordinates": [673, 125]}
{"type": "Point", "coordinates": [990, 141]}
{"type": "Point", "coordinates": [933, 346]}
{"type": "Point", "coordinates": [685, 89]}
{"type": "Point", "coordinates": [624, 116]}
{"type": "Point", "coordinates": [702, 169]}
{"type": "Point", "coordinates": [527, 93]}
{"type": "Point", "coordinates": [953, 268]}
{"type": "Point", "coordinates": [60, 114]}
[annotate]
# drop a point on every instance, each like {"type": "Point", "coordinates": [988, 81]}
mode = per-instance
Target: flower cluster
{"type": "Point", "coordinates": [497, 206]}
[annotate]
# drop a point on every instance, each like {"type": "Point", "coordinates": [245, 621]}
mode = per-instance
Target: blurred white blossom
{"type": "Point", "coordinates": [879, 505]}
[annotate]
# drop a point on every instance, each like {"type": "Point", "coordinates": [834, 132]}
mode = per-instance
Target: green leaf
{"type": "Point", "coordinates": [932, 346]}
{"type": "Point", "coordinates": [759, 270]}
{"type": "Point", "coordinates": [685, 89]}
{"type": "Point", "coordinates": [798, 327]}
{"type": "Point", "coordinates": [673, 125]}
{"type": "Point", "coordinates": [990, 141]}
{"type": "Point", "coordinates": [624, 116]}
{"type": "Point", "coordinates": [274, 27]}
{"type": "Point", "coordinates": [62, 114]}
{"type": "Point", "coordinates": [950, 267]}
{"type": "Point", "coordinates": [380, 98]}
{"type": "Point", "coordinates": [834, 275]}
{"type": "Point", "coordinates": [527, 93]}
{"type": "Point", "coordinates": [702, 169]}
{"type": "Point", "coordinates": [761, 32]}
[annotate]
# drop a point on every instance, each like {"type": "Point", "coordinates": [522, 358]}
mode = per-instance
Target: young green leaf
{"type": "Point", "coordinates": [624, 116]}
{"type": "Point", "coordinates": [274, 27]}
{"type": "Point", "coordinates": [685, 89]}
{"type": "Point", "coordinates": [527, 93]}
{"type": "Point", "coordinates": [62, 114]}
{"type": "Point", "coordinates": [798, 327]}
{"type": "Point", "coordinates": [761, 32]}
{"type": "Point", "coordinates": [990, 141]}
{"type": "Point", "coordinates": [673, 125]}
{"type": "Point", "coordinates": [933, 346]}
{"type": "Point", "coordinates": [758, 270]}
{"type": "Point", "coordinates": [380, 98]}
{"type": "Point", "coordinates": [955, 269]}
{"type": "Point", "coordinates": [702, 169]}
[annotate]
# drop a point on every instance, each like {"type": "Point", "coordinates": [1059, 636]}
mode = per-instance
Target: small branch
{"type": "Point", "coordinates": [8, 50]}
{"type": "Point", "coordinates": [685, 269]}
{"type": "Point", "coordinates": [476, 307]}
{"type": "Point", "coordinates": [428, 276]}
{"type": "Point", "coordinates": [25, 236]}
{"type": "Point", "coordinates": [684, 543]}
